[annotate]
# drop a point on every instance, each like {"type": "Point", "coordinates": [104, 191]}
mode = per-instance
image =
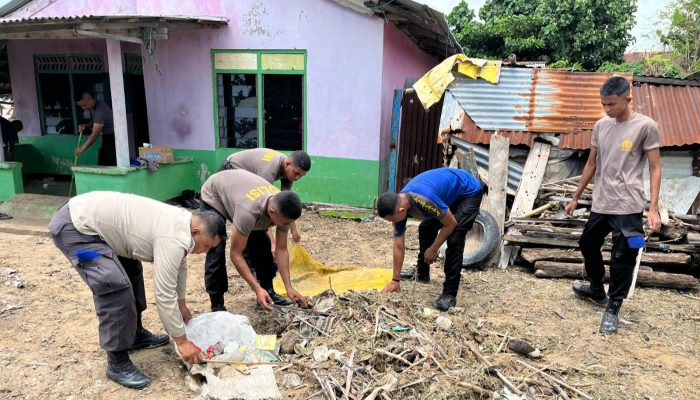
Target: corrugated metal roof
{"type": "Point", "coordinates": [526, 102]}
{"type": "Point", "coordinates": [112, 18]}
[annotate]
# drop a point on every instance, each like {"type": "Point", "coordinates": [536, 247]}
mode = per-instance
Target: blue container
{"type": "Point", "coordinates": [635, 242]}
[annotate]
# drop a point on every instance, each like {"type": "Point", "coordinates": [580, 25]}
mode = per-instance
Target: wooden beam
{"type": "Point", "coordinates": [116, 85]}
{"type": "Point", "coordinates": [498, 182]}
{"type": "Point", "coordinates": [532, 255]}
{"type": "Point", "coordinates": [530, 182]}
{"type": "Point", "coordinates": [551, 269]}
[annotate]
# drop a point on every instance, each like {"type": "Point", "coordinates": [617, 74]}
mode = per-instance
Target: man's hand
{"type": "Point", "coordinates": [296, 297]}
{"type": "Point", "coordinates": [392, 287]}
{"type": "Point", "coordinates": [81, 128]}
{"type": "Point", "coordinates": [654, 219]}
{"type": "Point", "coordinates": [571, 207]}
{"type": "Point", "coordinates": [185, 312]}
{"type": "Point", "coordinates": [189, 352]}
{"type": "Point", "coordinates": [430, 255]}
{"type": "Point", "coordinates": [78, 151]}
{"type": "Point", "coordinates": [296, 237]}
{"type": "Point", "coordinates": [264, 299]}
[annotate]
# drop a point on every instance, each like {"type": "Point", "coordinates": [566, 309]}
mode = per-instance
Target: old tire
{"type": "Point", "coordinates": [489, 243]}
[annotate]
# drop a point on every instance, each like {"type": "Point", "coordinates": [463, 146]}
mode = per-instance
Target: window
{"type": "Point", "coordinates": [260, 99]}
{"type": "Point", "coordinates": [61, 79]}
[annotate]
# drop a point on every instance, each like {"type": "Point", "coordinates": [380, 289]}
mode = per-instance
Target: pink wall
{"type": "Point", "coordinates": [349, 89]}
{"type": "Point", "coordinates": [401, 59]}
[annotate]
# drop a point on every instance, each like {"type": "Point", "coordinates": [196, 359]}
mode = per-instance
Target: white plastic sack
{"type": "Point", "coordinates": [230, 329]}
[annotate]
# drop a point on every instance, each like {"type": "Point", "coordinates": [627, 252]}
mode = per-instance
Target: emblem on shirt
{"type": "Point", "coordinates": [426, 206]}
{"type": "Point", "coordinates": [269, 155]}
{"type": "Point", "coordinates": [626, 145]}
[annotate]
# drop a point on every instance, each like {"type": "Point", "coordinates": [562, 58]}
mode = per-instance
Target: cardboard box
{"type": "Point", "coordinates": [161, 155]}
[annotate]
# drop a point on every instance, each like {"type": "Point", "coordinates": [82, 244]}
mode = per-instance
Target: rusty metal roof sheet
{"type": "Point", "coordinates": [527, 102]}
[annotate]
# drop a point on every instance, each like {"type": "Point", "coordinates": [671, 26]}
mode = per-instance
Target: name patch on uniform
{"type": "Point", "coordinates": [258, 191]}
{"type": "Point", "coordinates": [269, 155]}
{"type": "Point", "coordinates": [626, 145]}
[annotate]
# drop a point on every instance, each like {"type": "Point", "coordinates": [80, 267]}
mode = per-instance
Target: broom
{"type": "Point", "coordinates": [75, 161]}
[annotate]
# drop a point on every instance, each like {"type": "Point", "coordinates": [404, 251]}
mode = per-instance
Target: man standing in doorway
{"type": "Point", "coordinates": [447, 200]}
{"type": "Point", "coordinates": [620, 145]}
{"type": "Point", "coordinates": [102, 123]}
{"type": "Point", "coordinates": [253, 205]}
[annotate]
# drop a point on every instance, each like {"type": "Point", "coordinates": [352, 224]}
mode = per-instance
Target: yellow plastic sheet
{"type": "Point", "coordinates": [431, 86]}
{"type": "Point", "coordinates": [310, 277]}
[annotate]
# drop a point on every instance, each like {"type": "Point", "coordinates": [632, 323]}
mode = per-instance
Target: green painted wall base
{"type": "Point", "coordinates": [168, 182]}
{"type": "Point", "coordinates": [53, 154]}
{"type": "Point", "coordinates": [10, 180]}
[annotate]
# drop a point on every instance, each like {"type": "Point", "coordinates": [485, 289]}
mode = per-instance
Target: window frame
{"type": "Point", "coordinates": [259, 71]}
{"type": "Point", "coordinates": [71, 72]}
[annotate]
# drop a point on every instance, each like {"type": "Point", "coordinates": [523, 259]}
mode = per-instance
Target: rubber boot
{"type": "Point", "coordinates": [610, 318]}
{"type": "Point", "coordinates": [122, 371]}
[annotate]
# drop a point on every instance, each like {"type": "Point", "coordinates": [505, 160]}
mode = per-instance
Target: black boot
{"type": "Point", "coordinates": [217, 302]}
{"type": "Point", "coordinates": [278, 299]}
{"type": "Point", "coordinates": [445, 302]}
{"type": "Point", "coordinates": [145, 339]}
{"type": "Point", "coordinates": [594, 293]}
{"type": "Point", "coordinates": [121, 370]}
{"type": "Point", "coordinates": [410, 274]}
{"type": "Point", "coordinates": [610, 318]}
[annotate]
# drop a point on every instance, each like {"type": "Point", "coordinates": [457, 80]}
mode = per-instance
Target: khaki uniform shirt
{"type": "Point", "coordinates": [147, 230]}
{"type": "Point", "coordinates": [619, 184]}
{"type": "Point", "coordinates": [241, 197]}
{"type": "Point", "coordinates": [265, 163]}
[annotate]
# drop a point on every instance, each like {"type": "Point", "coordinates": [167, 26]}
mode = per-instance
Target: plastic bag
{"type": "Point", "coordinates": [223, 328]}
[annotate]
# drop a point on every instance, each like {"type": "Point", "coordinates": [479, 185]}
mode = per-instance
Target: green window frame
{"type": "Point", "coordinates": [72, 65]}
{"type": "Point", "coordinates": [258, 63]}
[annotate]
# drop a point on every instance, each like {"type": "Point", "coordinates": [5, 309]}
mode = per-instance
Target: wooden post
{"type": "Point", "coordinates": [530, 182]}
{"type": "Point", "coordinates": [499, 149]}
{"type": "Point", "coordinates": [116, 86]}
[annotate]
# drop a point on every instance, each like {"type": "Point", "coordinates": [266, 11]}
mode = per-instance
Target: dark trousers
{"type": "Point", "coordinates": [107, 155]}
{"type": "Point", "coordinates": [465, 211]}
{"type": "Point", "coordinates": [622, 259]}
{"type": "Point", "coordinates": [257, 254]}
{"type": "Point", "coordinates": [116, 282]}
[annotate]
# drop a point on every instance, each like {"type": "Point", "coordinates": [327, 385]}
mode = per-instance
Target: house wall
{"type": "Point", "coordinates": [401, 59]}
{"type": "Point", "coordinates": [349, 90]}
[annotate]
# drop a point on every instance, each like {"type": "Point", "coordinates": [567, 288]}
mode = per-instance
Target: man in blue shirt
{"type": "Point", "coordinates": [447, 201]}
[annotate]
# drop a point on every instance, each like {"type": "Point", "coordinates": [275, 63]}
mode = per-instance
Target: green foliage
{"type": "Point", "coordinates": [683, 35]}
{"type": "Point", "coordinates": [585, 32]}
{"type": "Point", "coordinates": [563, 64]}
{"type": "Point", "coordinates": [651, 66]}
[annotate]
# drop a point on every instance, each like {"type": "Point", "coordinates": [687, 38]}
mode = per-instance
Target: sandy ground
{"type": "Point", "coordinates": [49, 346]}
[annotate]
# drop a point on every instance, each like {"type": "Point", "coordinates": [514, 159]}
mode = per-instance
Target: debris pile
{"type": "Point", "coordinates": [373, 346]}
{"type": "Point", "coordinates": [550, 240]}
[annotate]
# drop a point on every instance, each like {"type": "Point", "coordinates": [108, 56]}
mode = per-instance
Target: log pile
{"type": "Point", "coordinates": [549, 241]}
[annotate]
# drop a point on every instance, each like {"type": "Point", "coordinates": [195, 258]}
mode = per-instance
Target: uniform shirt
{"type": "Point", "coordinates": [102, 114]}
{"type": "Point", "coordinates": [265, 163]}
{"type": "Point", "coordinates": [147, 230]}
{"type": "Point", "coordinates": [619, 187]}
{"type": "Point", "coordinates": [433, 192]}
{"type": "Point", "coordinates": [241, 197]}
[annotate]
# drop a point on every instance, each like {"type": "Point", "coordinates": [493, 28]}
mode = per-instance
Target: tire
{"type": "Point", "coordinates": [489, 243]}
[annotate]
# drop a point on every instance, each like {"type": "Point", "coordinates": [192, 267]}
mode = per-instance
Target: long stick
{"type": "Point", "coordinates": [636, 270]}
{"type": "Point", "coordinates": [564, 384]}
{"type": "Point", "coordinates": [75, 161]}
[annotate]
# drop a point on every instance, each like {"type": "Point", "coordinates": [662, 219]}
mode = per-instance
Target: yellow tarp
{"type": "Point", "coordinates": [431, 86]}
{"type": "Point", "coordinates": [310, 277]}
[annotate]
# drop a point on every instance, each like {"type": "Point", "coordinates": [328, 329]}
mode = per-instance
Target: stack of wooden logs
{"type": "Point", "coordinates": [549, 241]}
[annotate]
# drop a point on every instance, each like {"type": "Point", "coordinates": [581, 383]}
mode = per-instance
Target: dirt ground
{"type": "Point", "coordinates": [49, 346]}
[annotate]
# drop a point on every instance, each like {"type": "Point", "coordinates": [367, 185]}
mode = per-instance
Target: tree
{"type": "Point", "coordinates": [683, 36]}
{"type": "Point", "coordinates": [585, 32]}
{"type": "Point", "coordinates": [656, 65]}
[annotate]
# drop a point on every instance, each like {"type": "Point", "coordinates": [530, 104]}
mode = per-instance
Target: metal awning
{"type": "Point", "coordinates": [129, 28]}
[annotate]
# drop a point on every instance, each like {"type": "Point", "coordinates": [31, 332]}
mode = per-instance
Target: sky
{"type": "Point", "coordinates": [647, 17]}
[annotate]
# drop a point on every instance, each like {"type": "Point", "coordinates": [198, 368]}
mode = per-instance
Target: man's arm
{"type": "Point", "coordinates": [282, 257]}
{"type": "Point", "coordinates": [238, 244]}
{"type": "Point", "coordinates": [586, 176]}
{"type": "Point", "coordinates": [96, 131]}
{"type": "Point", "coordinates": [398, 253]}
{"type": "Point", "coordinates": [167, 260]}
{"type": "Point", "coordinates": [449, 223]}
{"type": "Point", "coordinates": [653, 217]}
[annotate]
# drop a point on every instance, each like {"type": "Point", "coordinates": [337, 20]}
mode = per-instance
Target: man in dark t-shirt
{"type": "Point", "coordinates": [447, 201]}
{"type": "Point", "coordinates": [102, 123]}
